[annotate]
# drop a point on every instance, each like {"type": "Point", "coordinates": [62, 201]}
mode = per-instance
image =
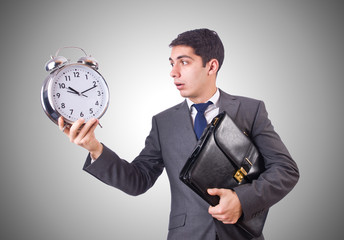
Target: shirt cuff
{"type": "Point", "coordinates": [92, 160]}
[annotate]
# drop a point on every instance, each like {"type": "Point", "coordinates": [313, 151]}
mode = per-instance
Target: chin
{"type": "Point", "coordinates": [184, 95]}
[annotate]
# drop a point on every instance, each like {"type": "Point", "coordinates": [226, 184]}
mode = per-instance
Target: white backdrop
{"type": "Point", "coordinates": [287, 53]}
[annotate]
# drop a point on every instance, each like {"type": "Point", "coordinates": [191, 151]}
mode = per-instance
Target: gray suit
{"type": "Point", "coordinates": [168, 146]}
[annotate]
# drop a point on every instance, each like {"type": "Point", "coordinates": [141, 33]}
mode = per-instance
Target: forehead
{"type": "Point", "coordinates": [178, 52]}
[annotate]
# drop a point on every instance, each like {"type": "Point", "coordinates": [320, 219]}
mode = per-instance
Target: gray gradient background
{"type": "Point", "coordinates": [287, 53]}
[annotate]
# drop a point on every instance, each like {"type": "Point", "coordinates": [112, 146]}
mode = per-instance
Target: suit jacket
{"type": "Point", "coordinates": [169, 145]}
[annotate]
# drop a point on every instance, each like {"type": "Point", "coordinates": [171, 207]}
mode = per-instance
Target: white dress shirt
{"type": "Point", "coordinates": [210, 112]}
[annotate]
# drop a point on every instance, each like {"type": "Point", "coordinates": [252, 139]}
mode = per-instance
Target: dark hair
{"type": "Point", "coordinates": [206, 44]}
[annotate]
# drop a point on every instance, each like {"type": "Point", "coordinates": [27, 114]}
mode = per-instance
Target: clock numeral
{"type": "Point", "coordinates": [76, 74]}
{"type": "Point", "coordinates": [58, 95]}
{"type": "Point", "coordinates": [63, 105]}
{"type": "Point", "coordinates": [67, 78]}
{"type": "Point", "coordinates": [81, 114]}
{"type": "Point", "coordinates": [62, 85]}
{"type": "Point", "coordinates": [94, 84]}
{"type": "Point", "coordinates": [91, 110]}
{"type": "Point", "coordinates": [97, 103]}
{"type": "Point", "coordinates": [86, 76]}
{"type": "Point", "coordinates": [71, 111]}
{"type": "Point", "coordinates": [99, 93]}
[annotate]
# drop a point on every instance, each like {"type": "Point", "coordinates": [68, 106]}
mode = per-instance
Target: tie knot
{"type": "Point", "coordinates": [201, 107]}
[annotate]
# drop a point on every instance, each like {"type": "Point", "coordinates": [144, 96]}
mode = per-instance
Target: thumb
{"type": "Point", "coordinates": [215, 191]}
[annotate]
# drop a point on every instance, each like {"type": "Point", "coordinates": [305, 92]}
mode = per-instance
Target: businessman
{"type": "Point", "coordinates": [196, 57]}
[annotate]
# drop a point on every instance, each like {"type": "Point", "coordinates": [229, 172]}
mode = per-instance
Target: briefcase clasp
{"type": "Point", "coordinates": [240, 174]}
{"type": "Point", "coordinates": [216, 119]}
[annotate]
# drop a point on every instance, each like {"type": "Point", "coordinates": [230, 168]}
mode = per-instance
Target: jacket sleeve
{"type": "Point", "coordinates": [134, 177]}
{"type": "Point", "coordinates": [281, 173]}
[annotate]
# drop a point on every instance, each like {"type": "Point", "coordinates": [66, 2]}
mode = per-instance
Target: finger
{"type": "Point", "coordinates": [215, 191]}
{"type": "Point", "coordinates": [218, 213]}
{"type": "Point", "coordinates": [64, 127]}
{"type": "Point", "coordinates": [75, 128]}
{"type": "Point", "coordinates": [215, 211]}
{"type": "Point", "coordinates": [211, 210]}
{"type": "Point", "coordinates": [89, 127]}
{"type": "Point", "coordinates": [94, 126]}
{"type": "Point", "coordinates": [61, 122]}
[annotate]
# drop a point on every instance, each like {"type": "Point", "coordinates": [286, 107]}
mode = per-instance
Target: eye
{"type": "Point", "coordinates": [184, 62]}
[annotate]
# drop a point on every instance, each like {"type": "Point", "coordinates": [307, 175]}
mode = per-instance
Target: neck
{"type": "Point", "coordinates": [204, 97]}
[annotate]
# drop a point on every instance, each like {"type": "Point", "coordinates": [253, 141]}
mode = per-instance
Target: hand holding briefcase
{"type": "Point", "coordinates": [224, 157]}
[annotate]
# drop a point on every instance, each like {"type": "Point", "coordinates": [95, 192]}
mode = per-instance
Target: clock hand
{"type": "Point", "coordinates": [89, 89]}
{"type": "Point", "coordinates": [76, 92]}
{"type": "Point", "coordinates": [72, 92]}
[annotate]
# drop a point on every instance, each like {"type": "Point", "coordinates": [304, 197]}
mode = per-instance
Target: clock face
{"type": "Point", "coordinates": [78, 91]}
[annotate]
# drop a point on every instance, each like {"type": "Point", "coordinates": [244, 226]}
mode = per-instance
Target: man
{"type": "Point", "coordinates": [196, 57]}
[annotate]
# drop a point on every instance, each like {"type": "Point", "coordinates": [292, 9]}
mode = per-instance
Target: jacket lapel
{"type": "Point", "coordinates": [185, 126]}
{"type": "Point", "coordinates": [229, 104]}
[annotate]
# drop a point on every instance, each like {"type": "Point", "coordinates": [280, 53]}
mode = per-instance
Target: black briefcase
{"type": "Point", "coordinates": [224, 157]}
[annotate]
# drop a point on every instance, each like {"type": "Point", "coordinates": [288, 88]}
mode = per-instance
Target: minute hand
{"type": "Point", "coordinates": [89, 89]}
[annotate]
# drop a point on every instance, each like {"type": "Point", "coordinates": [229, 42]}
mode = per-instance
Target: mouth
{"type": "Point", "coordinates": [179, 85]}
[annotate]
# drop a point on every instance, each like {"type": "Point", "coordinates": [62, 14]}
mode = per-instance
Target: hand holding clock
{"type": "Point", "coordinates": [82, 134]}
{"type": "Point", "coordinates": [76, 117]}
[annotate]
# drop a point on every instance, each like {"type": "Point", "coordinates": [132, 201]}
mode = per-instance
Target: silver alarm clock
{"type": "Point", "coordinates": [74, 90]}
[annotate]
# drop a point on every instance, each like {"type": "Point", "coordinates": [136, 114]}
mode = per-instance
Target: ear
{"type": "Point", "coordinates": [213, 66]}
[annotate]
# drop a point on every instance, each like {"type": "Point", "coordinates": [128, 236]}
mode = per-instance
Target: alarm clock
{"type": "Point", "coordinates": [74, 90]}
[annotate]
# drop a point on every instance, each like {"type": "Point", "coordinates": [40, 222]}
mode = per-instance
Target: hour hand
{"type": "Point", "coordinates": [76, 92]}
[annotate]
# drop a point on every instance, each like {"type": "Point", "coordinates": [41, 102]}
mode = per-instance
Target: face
{"type": "Point", "coordinates": [192, 79]}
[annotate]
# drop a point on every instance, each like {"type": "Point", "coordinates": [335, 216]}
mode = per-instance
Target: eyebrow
{"type": "Point", "coordinates": [181, 56]}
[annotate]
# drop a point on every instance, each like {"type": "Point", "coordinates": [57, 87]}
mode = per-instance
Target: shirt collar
{"type": "Point", "coordinates": [214, 99]}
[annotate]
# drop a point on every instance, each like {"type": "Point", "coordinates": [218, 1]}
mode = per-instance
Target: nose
{"type": "Point", "coordinates": [175, 73]}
